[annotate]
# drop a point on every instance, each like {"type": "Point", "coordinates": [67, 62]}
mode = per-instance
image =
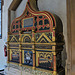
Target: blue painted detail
{"type": "Point", "coordinates": [28, 26]}
{"type": "Point", "coordinates": [28, 58]}
{"type": "Point", "coordinates": [28, 22]}
{"type": "Point", "coordinates": [44, 51]}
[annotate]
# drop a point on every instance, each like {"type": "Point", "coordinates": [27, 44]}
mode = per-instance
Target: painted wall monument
{"type": "Point", "coordinates": [35, 40]}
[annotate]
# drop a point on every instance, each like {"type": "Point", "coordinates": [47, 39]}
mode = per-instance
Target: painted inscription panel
{"type": "Point", "coordinates": [15, 56]}
{"type": "Point", "coordinates": [44, 60]}
{"type": "Point", "coordinates": [28, 58]}
{"type": "Point", "coordinates": [28, 22]}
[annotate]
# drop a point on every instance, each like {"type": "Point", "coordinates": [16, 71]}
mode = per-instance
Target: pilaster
{"type": "Point", "coordinates": [20, 59]}
{"type": "Point", "coordinates": [33, 48]}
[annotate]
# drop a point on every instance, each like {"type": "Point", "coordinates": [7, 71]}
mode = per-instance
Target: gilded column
{"type": "Point", "coordinates": [54, 56]}
{"type": "Point", "coordinates": [33, 48]}
{"type": "Point", "coordinates": [54, 53]}
{"type": "Point", "coordinates": [8, 50]}
{"type": "Point", "coordinates": [20, 56]}
{"type": "Point", "coordinates": [53, 35]}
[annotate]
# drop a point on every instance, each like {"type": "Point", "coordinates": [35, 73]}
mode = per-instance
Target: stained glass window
{"type": "Point", "coordinates": [0, 20]}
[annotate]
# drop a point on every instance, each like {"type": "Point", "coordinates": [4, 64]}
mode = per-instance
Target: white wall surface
{"type": "Point", "coordinates": [57, 7]}
{"type": "Point", "coordinates": [20, 8]}
{"type": "Point", "coordinates": [4, 32]}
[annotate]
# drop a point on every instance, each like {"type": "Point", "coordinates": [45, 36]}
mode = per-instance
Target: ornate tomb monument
{"type": "Point", "coordinates": [35, 41]}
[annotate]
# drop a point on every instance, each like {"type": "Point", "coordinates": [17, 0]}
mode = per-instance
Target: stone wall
{"type": "Point", "coordinates": [3, 59]}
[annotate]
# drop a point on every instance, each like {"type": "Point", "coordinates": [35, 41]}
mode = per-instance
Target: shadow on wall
{"type": "Point", "coordinates": [59, 28]}
{"type": "Point", "coordinates": [64, 55]}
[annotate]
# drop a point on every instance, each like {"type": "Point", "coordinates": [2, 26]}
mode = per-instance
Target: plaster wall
{"type": "Point", "coordinates": [20, 8]}
{"type": "Point", "coordinates": [13, 15]}
{"type": "Point", "coordinates": [3, 59]}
